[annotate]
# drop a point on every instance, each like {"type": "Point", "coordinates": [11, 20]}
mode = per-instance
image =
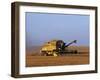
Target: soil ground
{"type": "Point", "coordinates": [33, 57]}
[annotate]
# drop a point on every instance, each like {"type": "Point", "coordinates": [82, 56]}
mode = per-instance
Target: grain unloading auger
{"type": "Point", "coordinates": [56, 48]}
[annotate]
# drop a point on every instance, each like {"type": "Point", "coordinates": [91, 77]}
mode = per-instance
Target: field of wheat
{"type": "Point", "coordinates": [34, 59]}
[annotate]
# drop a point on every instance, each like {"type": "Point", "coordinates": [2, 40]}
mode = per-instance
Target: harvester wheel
{"type": "Point", "coordinates": [54, 54]}
{"type": "Point", "coordinates": [75, 52]}
{"type": "Point", "coordinates": [44, 54]}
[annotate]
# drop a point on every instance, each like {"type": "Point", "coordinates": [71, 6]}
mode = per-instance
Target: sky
{"type": "Point", "coordinates": [43, 27]}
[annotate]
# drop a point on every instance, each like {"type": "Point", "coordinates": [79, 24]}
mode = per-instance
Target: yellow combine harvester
{"type": "Point", "coordinates": [56, 48]}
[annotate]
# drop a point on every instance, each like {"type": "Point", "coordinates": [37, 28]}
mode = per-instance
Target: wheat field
{"type": "Point", "coordinates": [34, 59]}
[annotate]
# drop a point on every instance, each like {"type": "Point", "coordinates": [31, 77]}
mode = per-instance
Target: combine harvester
{"type": "Point", "coordinates": [57, 48]}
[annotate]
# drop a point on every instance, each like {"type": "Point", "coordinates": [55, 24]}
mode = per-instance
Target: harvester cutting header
{"type": "Point", "coordinates": [56, 48]}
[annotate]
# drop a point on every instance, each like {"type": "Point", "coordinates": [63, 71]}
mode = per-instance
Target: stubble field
{"type": "Point", "coordinates": [34, 59]}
